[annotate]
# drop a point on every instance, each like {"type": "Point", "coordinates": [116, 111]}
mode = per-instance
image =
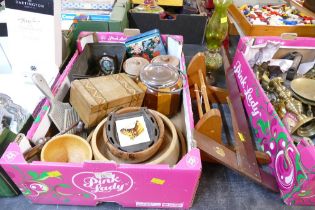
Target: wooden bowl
{"type": "Point", "coordinates": [66, 148]}
{"type": "Point", "coordinates": [170, 150]}
{"type": "Point", "coordinates": [183, 144]}
{"type": "Point", "coordinates": [168, 153]}
{"type": "Point", "coordinates": [135, 157]}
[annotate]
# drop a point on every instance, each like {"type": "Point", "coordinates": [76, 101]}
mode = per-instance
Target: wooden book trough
{"type": "Point", "coordinates": [242, 156]}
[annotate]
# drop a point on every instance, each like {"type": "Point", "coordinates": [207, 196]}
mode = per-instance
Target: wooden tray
{"type": "Point", "coordinates": [264, 30]}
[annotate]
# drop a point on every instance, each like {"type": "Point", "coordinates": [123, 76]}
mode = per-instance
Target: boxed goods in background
{"type": "Point", "coordinates": [172, 22]}
{"type": "Point", "coordinates": [271, 21]}
{"type": "Point", "coordinates": [117, 22]}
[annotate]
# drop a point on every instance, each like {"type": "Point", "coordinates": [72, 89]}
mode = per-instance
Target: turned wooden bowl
{"type": "Point", "coordinates": [142, 155]}
{"type": "Point", "coordinates": [168, 153]}
{"type": "Point", "coordinates": [66, 148]}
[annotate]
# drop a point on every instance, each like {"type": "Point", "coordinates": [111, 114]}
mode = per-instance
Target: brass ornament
{"type": "Point", "coordinates": [306, 125]}
{"type": "Point", "coordinates": [305, 88]}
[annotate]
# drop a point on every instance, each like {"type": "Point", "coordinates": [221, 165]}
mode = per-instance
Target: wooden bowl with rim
{"type": "Point", "coordinates": [140, 156]}
{"type": "Point", "coordinates": [168, 153]}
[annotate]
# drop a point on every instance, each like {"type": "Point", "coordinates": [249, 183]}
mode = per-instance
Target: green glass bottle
{"type": "Point", "coordinates": [216, 32]}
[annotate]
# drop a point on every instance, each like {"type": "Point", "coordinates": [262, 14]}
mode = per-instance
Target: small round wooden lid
{"type": "Point", "coordinates": [169, 59]}
{"type": "Point", "coordinates": [132, 66]}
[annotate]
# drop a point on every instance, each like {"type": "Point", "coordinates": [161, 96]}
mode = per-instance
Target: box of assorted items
{"type": "Point", "coordinates": [276, 77]}
{"type": "Point", "coordinates": [106, 15]}
{"type": "Point", "coordinates": [271, 18]}
{"type": "Point", "coordinates": [171, 20]}
{"type": "Point", "coordinates": [162, 2]}
{"type": "Point", "coordinates": [130, 155]}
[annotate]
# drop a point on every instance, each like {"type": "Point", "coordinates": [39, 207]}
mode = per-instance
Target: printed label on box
{"type": "Point", "coordinates": [37, 6]}
{"type": "Point", "coordinates": [147, 204]}
{"type": "Point", "coordinates": [103, 185]}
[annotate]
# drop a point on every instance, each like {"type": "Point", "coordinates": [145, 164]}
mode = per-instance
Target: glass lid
{"type": "Point", "coordinates": [159, 75]}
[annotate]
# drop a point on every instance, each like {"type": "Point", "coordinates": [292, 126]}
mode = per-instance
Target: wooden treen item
{"type": "Point", "coordinates": [241, 157]}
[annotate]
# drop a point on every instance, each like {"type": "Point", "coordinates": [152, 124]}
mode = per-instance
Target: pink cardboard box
{"type": "Point", "coordinates": [292, 166]}
{"type": "Point", "coordinates": [93, 182]}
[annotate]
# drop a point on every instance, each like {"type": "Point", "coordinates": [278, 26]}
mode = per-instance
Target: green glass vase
{"type": "Point", "coordinates": [216, 32]}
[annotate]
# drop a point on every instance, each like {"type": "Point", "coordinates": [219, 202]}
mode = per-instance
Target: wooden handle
{"type": "Point", "coordinates": [42, 85]}
{"type": "Point", "coordinates": [203, 89]}
{"type": "Point", "coordinates": [199, 105]}
{"type": "Point", "coordinates": [294, 67]}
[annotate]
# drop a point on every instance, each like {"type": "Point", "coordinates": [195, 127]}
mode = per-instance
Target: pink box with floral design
{"type": "Point", "coordinates": [291, 164]}
{"type": "Point", "coordinates": [93, 182]}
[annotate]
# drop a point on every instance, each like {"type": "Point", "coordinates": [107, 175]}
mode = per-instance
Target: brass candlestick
{"type": "Point", "coordinates": [306, 125]}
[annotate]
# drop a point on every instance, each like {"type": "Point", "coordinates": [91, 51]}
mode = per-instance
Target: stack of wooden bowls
{"type": "Point", "coordinates": [166, 150]}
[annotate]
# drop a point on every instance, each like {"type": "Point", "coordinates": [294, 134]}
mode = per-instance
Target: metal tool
{"type": "Point", "coordinates": [57, 109]}
{"type": "Point", "coordinates": [71, 117]}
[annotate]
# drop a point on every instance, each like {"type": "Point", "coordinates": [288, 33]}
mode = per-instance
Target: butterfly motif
{"type": "Point", "coordinates": [132, 133]}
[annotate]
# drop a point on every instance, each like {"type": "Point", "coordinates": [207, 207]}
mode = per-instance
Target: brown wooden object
{"type": "Point", "coordinates": [140, 156]}
{"type": "Point", "coordinates": [94, 98]}
{"type": "Point", "coordinates": [241, 157]}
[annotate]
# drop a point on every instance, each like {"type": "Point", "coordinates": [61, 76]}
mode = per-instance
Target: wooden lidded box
{"type": "Point", "coordinates": [94, 98]}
